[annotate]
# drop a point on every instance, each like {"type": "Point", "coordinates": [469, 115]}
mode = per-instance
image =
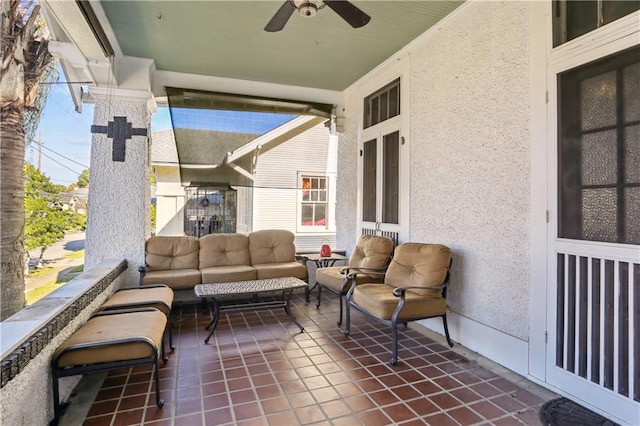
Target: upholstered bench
{"type": "Point", "coordinates": [157, 296]}
{"type": "Point", "coordinates": [110, 340]}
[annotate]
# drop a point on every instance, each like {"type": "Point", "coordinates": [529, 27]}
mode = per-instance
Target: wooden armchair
{"type": "Point", "coordinates": [414, 288]}
{"type": "Point", "coordinates": [370, 257]}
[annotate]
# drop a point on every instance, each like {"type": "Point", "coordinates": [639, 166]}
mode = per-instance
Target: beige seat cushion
{"type": "Point", "coordinates": [168, 253]}
{"type": "Point", "coordinates": [176, 278]}
{"type": "Point", "coordinates": [272, 246]}
{"type": "Point", "coordinates": [221, 274]}
{"type": "Point", "coordinates": [419, 265]}
{"type": "Point", "coordinates": [371, 251]}
{"type": "Point", "coordinates": [332, 278]}
{"type": "Point", "coordinates": [160, 298]}
{"type": "Point", "coordinates": [281, 270]}
{"type": "Point", "coordinates": [224, 250]}
{"type": "Point", "coordinates": [378, 299]}
{"type": "Point", "coordinates": [101, 332]}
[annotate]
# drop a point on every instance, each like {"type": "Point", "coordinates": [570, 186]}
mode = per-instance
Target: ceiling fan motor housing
{"type": "Point", "coordinates": [308, 10]}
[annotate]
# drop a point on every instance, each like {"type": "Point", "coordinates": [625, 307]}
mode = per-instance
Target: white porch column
{"type": "Point", "coordinates": [118, 219]}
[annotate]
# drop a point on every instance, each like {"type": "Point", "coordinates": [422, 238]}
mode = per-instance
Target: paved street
{"type": "Point", "coordinates": [54, 257]}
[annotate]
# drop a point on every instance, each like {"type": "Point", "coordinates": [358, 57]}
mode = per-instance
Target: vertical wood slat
{"type": "Point", "coordinates": [598, 321]}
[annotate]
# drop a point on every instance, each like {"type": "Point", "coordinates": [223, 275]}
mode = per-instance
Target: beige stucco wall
{"type": "Point", "coordinates": [470, 159]}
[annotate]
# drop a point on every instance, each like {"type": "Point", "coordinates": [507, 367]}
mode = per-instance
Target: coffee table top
{"type": "Point", "coordinates": [248, 287]}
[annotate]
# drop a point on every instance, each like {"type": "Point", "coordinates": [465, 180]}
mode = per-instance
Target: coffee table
{"type": "Point", "coordinates": [250, 290]}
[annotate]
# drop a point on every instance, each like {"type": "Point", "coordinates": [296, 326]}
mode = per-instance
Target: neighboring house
{"type": "Point", "coordinates": [75, 201]}
{"type": "Point", "coordinates": [293, 169]}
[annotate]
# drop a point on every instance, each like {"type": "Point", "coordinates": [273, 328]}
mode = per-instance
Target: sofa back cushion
{"type": "Point", "coordinates": [272, 246]}
{"type": "Point", "coordinates": [167, 253]}
{"type": "Point", "coordinates": [371, 251]}
{"type": "Point", "coordinates": [224, 250]}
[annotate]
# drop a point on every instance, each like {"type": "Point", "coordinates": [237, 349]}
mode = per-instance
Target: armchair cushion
{"type": "Point", "coordinates": [332, 278]}
{"type": "Point", "coordinates": [371, 251]}
{"type": "Point", "coordinates": [378, 300]}
{"type": "Point", "coordinates": [419, 265]}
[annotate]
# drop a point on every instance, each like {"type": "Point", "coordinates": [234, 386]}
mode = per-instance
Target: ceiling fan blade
{"type": "Point", "coordinates": [281, 17]}
{"type": "Point", "coordinates": [350, 13]}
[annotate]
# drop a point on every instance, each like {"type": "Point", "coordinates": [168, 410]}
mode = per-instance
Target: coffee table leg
{"type": "Point", "coordinates": [287, 309]}
{"type": "Point", "coordinates": [214, 321]}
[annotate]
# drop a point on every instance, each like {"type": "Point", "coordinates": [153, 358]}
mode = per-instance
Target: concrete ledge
{"type": "Point", "coordinates": [30, 337]}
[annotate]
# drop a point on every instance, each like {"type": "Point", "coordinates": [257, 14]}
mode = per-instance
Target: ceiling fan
{"type": "Point", "coordinates": [308, 8]}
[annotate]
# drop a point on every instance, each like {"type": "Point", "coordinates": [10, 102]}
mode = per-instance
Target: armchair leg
{"type": "Point", "coordinates": [340, 301]}
{"type": "Point", "coordinates": [394, 342]}
{"type": "Point", "coordinates": [347, 327]}
{"type": "Point", "coordinates": [446, 330]}
{"type": "Point", "coordinates": [319, 296]}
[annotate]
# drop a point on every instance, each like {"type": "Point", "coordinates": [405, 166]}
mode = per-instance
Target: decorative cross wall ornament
{"type": "Point", "coordinates": [119, 130]}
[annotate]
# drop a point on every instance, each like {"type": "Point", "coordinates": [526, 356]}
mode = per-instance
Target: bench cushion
{"type": "Point", "coordinates": [281, 270]}
{"type": "Point", "coordinates": [176, 278]}
{"type": "Point", "coordinates": [169, 253]}
{"type": "Point", "coordinates": [100, 334]}
{"type": "Point", "coordinates": [221, 274]}
{"type": "Point", "coordinates": [160, 298]}
{"type": "Point", "coordinates": [224, 250]}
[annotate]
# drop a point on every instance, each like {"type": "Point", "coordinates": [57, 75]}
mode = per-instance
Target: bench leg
{"type": "Point", "coordinates": [287, 309]}
{"type": "Point", "coordinates": [159, 401]}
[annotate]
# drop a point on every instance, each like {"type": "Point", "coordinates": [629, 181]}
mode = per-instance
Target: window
{"type": "Point", "coordinates": [382, 104]}
{"type": "Point", "coordinates": [314, 202]}
{"type": "Point", "coordinates": [574, 18]}
{"type": "Point", "coordinates": [599, 158]}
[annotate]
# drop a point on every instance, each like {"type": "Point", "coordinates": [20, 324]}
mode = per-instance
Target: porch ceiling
{"type": "Point", "coordinates": [226, 38]}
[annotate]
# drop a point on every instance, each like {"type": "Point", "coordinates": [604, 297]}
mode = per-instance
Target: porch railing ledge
{"type": "Point", "coordinates": [26, 333]}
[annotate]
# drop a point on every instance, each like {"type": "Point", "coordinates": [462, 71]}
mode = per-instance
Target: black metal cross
{"type": "Point", "coordinates": [119, 130]}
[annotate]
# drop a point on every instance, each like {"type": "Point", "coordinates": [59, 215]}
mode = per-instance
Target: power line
{"type": "Point", "coordinates": [66, 158]}
{"type": "Point", "coordinates": [56, 161]}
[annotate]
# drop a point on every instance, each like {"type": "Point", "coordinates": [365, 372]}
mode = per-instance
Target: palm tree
{"type": "Point", "coordinates": [24, 58]}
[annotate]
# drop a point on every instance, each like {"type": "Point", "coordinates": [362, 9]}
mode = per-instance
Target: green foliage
{"type": "Point", "coordinates": [45, 220]}
{"type": "Point", "coordinates": [153, 218]}
{"type": "Point", "coordinates": [83, 179]}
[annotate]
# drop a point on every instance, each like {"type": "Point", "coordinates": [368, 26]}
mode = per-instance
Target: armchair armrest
{"type": "Point", "coordinates": [400, 291]}
{"type": "Point", "coordinates": [352, 271]}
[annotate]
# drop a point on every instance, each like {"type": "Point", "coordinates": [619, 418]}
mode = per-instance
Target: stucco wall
{"type": "Point", "coordinates": [118, 221]}
{"type": "Point", "coordinates": [470, 166]}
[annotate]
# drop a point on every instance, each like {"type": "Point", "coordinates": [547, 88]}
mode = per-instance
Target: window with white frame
{"type": "Point", "coordinates": [314, 202]}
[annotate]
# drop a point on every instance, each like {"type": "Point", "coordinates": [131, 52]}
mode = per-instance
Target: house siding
{"type": "Point", "coordinates": [470, 159]}
{"type": "Point", "coordinates": [275, 198]}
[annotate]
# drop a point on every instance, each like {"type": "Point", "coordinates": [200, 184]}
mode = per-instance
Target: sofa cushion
{"type": "Point", "coordinates": [224, 250]}
{"type": "Point", "coordinates": [174, 278]}
{"type": "Point", "coordinates": [280, 270]}
{"type": "Point", "coordinates": [272, 246]}
{"type": "Point", "coordinates": [221, 274]}
{"type": "Point", "coordinates": [167, 253]}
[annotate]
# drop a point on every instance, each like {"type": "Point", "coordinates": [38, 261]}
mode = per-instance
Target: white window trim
{"type": "Point", "coordinates": [331, 204]}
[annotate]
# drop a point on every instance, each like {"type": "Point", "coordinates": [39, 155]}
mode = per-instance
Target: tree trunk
{"type": "Point", "coordinates": [23, 59]}
{"type": "Point", "coordinates": [12, 212]}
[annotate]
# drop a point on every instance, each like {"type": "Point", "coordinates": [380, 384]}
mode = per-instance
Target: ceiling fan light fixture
{"type": "Point", "coordinates": [308, 9]}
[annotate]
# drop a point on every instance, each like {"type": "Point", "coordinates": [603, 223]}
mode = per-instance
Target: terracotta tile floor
{"type": "Point", "coordinates": [259, 370]}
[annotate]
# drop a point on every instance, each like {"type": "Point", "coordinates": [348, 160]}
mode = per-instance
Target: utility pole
{"type": "Point", "coordinates": [40, 152]}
